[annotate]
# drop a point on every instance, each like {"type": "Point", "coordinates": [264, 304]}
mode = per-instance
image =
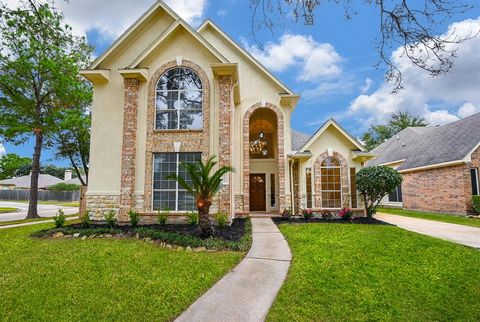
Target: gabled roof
{"type": "Point", "coordinates": [178, 24]}
{"type": "Point", "coordinates": [299, 139]}
{"type": "Point", "coordinates": [429, 146]}
{"type": "Point", "coordinates": [210, 23]}
{"type": "Point", "coordinates": [328, 123]}
{"type": "Point", "coordinates": [44, 181]}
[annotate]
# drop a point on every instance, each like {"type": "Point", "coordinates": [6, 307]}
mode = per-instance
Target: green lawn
{"type": "Point", "coordinates": [376, 273]}
{"type": "Point", "coordinates": [6, 210]}
{"type": "Point", "coordinates": [454, 219]}
{"type": "Point", "coordinates": [57, 203]}
{"type": "Point", "coordinates": [23, 221]}
{"type": "Point", "coordinates": [100, 279]}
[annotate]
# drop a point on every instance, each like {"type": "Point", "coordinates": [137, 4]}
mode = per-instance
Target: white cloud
{"type": "Point", "coordinates": [112, 17]}
{"type": "Point", "coordinates": [3, 151]}
{"type": "Point", "coordinates": [468, 109]}
{"type": "Point", "coordinates": [328, 88]}
{"type": "Point", "coordinates": [316, 60]}
{"type": "Point", "coordinates": [367, 86]}
{"type": "Point", "coordinates": [431, 97]}
{"type": "Point", "coordinates": [222, 13]}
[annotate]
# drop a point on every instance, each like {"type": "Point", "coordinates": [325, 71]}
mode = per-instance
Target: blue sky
{"type": "Point", "coordinates": [331, 64]}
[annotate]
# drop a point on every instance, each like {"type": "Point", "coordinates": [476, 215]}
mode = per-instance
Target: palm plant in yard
{"type": "Point", "coordinates": [203, 186]}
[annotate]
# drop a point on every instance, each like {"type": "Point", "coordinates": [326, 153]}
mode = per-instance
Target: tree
{"type": "Point", "coordinates": [377, 134]}
{"type": "Point", "coordinates": [410, 25]}
{"type": "Point", "coordinates": [11, 164]}
{"type": "Point", "coordinates": [72, 140]}
{"type": "Point", "coordinates": [374, 183]}
{"type": "Point", "coordinates": [39, 64]}
{"type": "Point", "coordinates": [203, 186]}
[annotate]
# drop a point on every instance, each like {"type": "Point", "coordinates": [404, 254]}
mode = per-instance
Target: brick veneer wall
{"type": "Point", "coordinates": [344, 173]}
{"type": "Point", "coordinates": [163, 140]}
{"type": "Point", "coordinates": [474, 164]}
{"type": "Point", "coordinates": [97, 205]}
{"type": "Point", "coordinates": [225, 87]}
{"type": "Point", "coordinates": [296, 187]}
{"type": "Point", "coordinates": [127, 180]}
{"type": "Point", "coordinates": [246, 156]}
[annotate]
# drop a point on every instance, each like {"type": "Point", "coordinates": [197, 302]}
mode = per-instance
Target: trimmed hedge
{"type": "Point", "coordinates": [173, 238]}
{"type": "Point", "coordinates": [476, 203]}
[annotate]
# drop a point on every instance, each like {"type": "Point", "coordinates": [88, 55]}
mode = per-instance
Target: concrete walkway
{"type": "Point", "coordinates": [248, 291]}
{"type": "Point", "coordinates": [460, 234]}
{"type": "Point", "coordinates": [46, 221]}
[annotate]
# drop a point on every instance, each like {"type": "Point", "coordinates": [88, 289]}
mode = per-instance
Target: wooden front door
{"type": "Point", "coordinates": [257, 192]}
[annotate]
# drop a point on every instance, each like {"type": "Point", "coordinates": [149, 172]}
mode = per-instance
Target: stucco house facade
{"type": "Point", "coordinates": [165, 93]}
{"type": "Point", "coordinates": [439, 165]}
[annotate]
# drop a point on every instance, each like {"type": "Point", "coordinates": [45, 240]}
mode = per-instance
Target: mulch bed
{"type": "Point", "coordinates": [356, 221]}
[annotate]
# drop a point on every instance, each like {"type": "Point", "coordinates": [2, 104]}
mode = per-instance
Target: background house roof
{"type": "Point", "coordinates": [299, 139]}
{"type": "Point", "coordinates": [44, 181]}
{"type": "Point", "coordinates": [424, 146]}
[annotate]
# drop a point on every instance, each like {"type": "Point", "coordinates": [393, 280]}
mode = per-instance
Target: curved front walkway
{"type": "Point", "coordinates": [248, 291]}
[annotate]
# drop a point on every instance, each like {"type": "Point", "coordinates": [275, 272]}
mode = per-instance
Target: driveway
{"type": "Point", "coordinates": [43, 210]}
{"type": "Point", "coordinates": [460, 234]}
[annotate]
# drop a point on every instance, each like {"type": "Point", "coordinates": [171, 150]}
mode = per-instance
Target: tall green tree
{"type": "Point", "coordinates": [39, 64]}
{"type": "Point", "coordinates": [11, 164]}
{"type": "Point", "coordinates": [377, 134]}
{"type": "Point", "coordinates": [203, 185]}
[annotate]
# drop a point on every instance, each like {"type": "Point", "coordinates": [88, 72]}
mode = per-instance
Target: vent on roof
{"type": "Point", "coordinates": [403, 144]}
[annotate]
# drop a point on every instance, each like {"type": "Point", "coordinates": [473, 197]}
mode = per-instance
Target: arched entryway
{"type": "Point", "coordinates": [264, 159]}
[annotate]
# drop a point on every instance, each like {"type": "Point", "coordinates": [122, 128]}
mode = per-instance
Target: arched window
{"type": "Point", "coordinates": [179, 100]}
{"type": "Point", "coordinates": [331, 183]}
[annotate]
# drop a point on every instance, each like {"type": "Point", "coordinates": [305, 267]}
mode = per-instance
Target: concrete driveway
{"type": "Point", "coordinates": [460, 234]}
{"type": "Point", "coordinates": [43, 210]}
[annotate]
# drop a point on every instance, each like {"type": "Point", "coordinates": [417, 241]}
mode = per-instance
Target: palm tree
{"type": "Point", "coordinates": [203, 186]}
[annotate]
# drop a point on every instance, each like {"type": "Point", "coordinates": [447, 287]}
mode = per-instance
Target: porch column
{"type": "Point", "coordinates": [127, 181]}
{"type": "Point", "coordinates": [225, 87]}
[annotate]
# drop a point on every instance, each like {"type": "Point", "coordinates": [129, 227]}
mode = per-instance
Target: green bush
{"type": "Point", "coordinates": [307, 213]}
{"type": "Point", "coordinates": [192, 218]}
{"type": "Point", "coordinates": [162, 216]}
{"type": "Point", "coordinates": [64, 187]}
{"type": "Point", "coordinates": [59, 219]}
{"type": "Point", "coordinates": [221, 219]}
{"type": "Point", "coordinates": [86, 221]}
{"type": "Point", "coordinates": [287, 214]}
{"type": "Point", "coordinates": [374, 183]}
{"type": "Point", "coordinates": [134, 217]}
{"type": "Point", "coordinates": [476, 203]}
{"type": "Point", "coordinates": [109, 217]}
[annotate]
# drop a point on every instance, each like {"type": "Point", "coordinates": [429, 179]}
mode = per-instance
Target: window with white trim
{"type": "Point", "coordinates": [475, 181]}
{"type": "Point", "coordinates": [167, 194]}
{"type": "Point", "coordinates": [331, 183]}
{"type": "Point", "coordinates": [179, 100]}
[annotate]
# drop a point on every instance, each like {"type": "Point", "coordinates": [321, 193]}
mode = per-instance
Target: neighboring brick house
{"type": "Point", "coordinates": [165, 93]}
{"type": "Point", "coordinates": [439, 165]}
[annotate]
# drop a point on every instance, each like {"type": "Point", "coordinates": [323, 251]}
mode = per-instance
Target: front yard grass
{"type": "Point", "coordinates": [6, 210]}
{"type": "Point", "coordinates": [376, 273]}
{"type": "Point", "coordinates": [23, 221]}
{"type": "Point", "coordinates": [100, 279]}
{"type": "Point", "coordinates": [55, 203]}
{"type": "Point", "coordinates": [453, 219]}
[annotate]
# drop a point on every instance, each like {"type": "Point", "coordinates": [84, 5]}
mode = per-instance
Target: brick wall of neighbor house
{"type": "Point", "coordinates": [468, 184]}
{"type": "Point", "coordinates": [436, 190]}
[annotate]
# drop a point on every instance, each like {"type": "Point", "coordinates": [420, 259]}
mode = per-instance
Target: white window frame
{"type": "Point", "coordinates": [176, 190]}
{"type": "Point", "coordinates": [179, 91]}
{"type": "Point", "coordinates": [321, 181]}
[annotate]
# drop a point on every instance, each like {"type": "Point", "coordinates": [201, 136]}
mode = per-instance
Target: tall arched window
{"type": "Point", "coordinates": [331, 183]}
{"type": "Point", "coordinates": [179, 100]}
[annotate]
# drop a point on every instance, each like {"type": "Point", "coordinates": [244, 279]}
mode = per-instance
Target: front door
{"type": "Point", "coordinates": [257, 192]}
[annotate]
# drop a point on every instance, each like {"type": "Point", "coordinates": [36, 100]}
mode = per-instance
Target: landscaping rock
{"type": "Point", "coordinates": [137, 236]}
{"type": "Point", "coordinates": [147, 239]}
{"type": "Point", "coordinates": [58, 235]}
{"type": "Point", "coordinates": [68, 236]}
{"type": "Point", "coordinates": [168, 246]}
{"type": "Point", "coordinates": [108, 236]}
{"type": "Point", "coordinates": [180, 248]}
{"type": "Point", "coordinates": [199, 249]}
{"type": "Point", "coordinates": [84, 237]}
{"type": "Point", "coordinates": [93, 236]}
{"type": "Point", "coordinates": [76, 235]}
{"type": "Point", "coordinates": [188, 249]}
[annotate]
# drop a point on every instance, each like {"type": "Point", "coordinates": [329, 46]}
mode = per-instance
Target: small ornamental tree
{"type": "Point", "coordinates": [374, 183]}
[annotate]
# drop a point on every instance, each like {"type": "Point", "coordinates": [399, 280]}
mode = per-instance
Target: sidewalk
{"type": "Point", "coordinates": [248, 291]}
{"type": "Point", "coordinates": [34, 223]}
{"type": "Point", "coordinates": [460, 234]}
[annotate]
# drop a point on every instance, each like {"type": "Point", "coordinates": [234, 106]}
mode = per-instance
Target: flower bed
{"type": "Point", "coordinates": [236, 237]}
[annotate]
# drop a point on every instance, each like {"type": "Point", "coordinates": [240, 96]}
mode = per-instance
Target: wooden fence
{"type": "Point", "coordinates": [43, 195]}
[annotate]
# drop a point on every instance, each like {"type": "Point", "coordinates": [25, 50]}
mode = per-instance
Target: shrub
{"type": "Point", "coordinates": [374, 183]}
{"type": "Point", "coordinates": [59, 219]}
{"type": "Point", "coordinates": [86, 221]}
{"type": "Point", "coordinates": [287, 214]}
{"type": "Point", "coordinates": [346, 213]}
{"type": "Point", "coordinates": [327, 215]}
{"type": "Point", "coordinates": [162, 216]}
{"type": "Point", "coordinates": [307, 214]}
{"type": "Point", "coordinates": [192, 218]}
{"type": "Point", "coordinates": [476, 203]}
{"type": "Point", "coordinates": [109, 217]}
{"type": "Point", "coordinates": [221, 219]}
{"type": "Point", "coordinates": [134, 217]}
{"type": "Point", "coordinates": [64, 187]}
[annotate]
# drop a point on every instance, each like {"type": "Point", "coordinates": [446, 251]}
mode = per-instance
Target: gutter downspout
{"type": "Point", "coordinates": [291, 187]}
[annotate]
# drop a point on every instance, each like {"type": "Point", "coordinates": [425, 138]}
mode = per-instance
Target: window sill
{"type": "Point", "coordinates": [178, 131]}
